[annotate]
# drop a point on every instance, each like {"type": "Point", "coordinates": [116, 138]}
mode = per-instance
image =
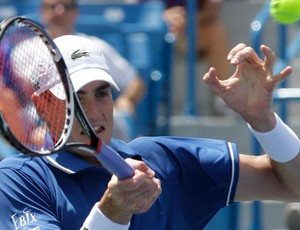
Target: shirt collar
{"type": "Point", "coordinates": [68, 162]}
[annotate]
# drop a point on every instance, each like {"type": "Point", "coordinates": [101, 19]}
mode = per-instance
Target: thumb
{"type": "Point", "coordinates": [211, 79]}
{"type": "Point", "coordinates": [141, 166]}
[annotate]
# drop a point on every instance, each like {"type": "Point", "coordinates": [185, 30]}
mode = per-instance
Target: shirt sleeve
{"type": "Point", "coordinates": [202, 171]}
{"type": "Point", "coordinates": [25, 203]}
{"type": "Point", "coordinates": [96, 218]}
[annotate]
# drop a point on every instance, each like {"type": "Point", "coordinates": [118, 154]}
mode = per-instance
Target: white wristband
{"type": "Point", "coordinates": [97, 220]}
{"type": "Point", "coordinates": [281, 143]}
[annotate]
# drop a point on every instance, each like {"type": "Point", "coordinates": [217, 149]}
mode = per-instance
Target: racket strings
{"type": "Point", "coordinates": [26, 69]}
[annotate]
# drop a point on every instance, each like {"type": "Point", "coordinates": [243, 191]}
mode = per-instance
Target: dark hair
{"type": "Point", "coordinates": [73, 4]}
{"type": "Point", "coordinates": [170, 3]}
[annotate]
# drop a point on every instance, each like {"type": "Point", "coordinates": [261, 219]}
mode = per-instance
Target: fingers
{"type": "Point", "coordinates": [241, 53]}
{"type": "Point", "coordinates": [141, 166]}
{"type": "Point", "coordinates": [232, 56]}
{"type": "Point", "coordinates": [282, 75]}
{"type": "Point", "coordinates": [130, 184]}
{"type": "Point", "coordinates": [149, 192]}
{"type": "Point", "coordinates": [270, 58]}
{"type": "Point", "coordinates": [136, 194]}
{"type": "Point", "coordinates": [211, 79]}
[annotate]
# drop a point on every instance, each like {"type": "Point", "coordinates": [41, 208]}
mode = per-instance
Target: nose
{"type": "Point", "coordinates": [59, 9]}
{"type": "Point", "coordinates": [92, 110]}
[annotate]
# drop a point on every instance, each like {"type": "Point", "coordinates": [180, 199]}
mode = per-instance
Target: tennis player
{"type": "Point", "coordinates": [179, 183]}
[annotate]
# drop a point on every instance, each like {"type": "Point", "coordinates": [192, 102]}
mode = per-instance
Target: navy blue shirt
{"type": "Point", "coordinates": [198, 176]}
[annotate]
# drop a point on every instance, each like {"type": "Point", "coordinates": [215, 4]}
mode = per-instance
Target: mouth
{"type": "Point", "coordinates": [99, 129]}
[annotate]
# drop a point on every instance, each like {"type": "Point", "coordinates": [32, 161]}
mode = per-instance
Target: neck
{"type": "Point", "coordinates": [54, 33]}
{"type": "Point", "coordinates": [90, 159]}
{"type": "Point", "coordinates": [87, 157]}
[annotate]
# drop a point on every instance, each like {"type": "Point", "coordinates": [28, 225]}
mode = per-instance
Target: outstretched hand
{"type": "Point", "coordinates": [249, 90]}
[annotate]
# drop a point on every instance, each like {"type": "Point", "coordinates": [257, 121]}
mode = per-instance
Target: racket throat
{"type": "Point", "coordinates": [99, 147]}
{"type": "Point", "coordinates": [95, 143]}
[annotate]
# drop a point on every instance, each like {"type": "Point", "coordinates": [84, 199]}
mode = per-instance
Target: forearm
{"type": "Point", "coordinates": [288, 174]}
{"type": "Point", "coordinates": [131, 95]}
{"type": "Point", "coordinates": [210, 12]}
{"type": "Point", "coordinates": [135, 91]}
{"type": "Point", "coordinates": [282, 146]}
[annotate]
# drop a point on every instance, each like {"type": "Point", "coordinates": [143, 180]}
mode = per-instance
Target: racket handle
{"type": "Point", "coordinates": [114, 162]}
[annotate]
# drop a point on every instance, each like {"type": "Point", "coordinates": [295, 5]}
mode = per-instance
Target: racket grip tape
{"type": "Point", "coordinates": [114, 162]}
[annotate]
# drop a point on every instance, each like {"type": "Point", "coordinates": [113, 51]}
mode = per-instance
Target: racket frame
{"type": "Point", "coordinates": [106, 155]}
{"type": "Point", "coordinates": [73, 107]}
{"type": "Point", "coordinates": [62, 69]}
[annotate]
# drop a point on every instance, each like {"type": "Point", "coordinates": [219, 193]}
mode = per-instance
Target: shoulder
{"type": "Point", "coordinates": [22, 166]}
{"type": "Point", "coordinates": [26, 174]}
{"type": "Point", "coordinates": [20, 161]}
{"type": "Point", "coordinates": [6, 149]}
{"type": "Point", "coordinates": [26, 185]}
{"type": "Point", "coordinates": [197, 154]}
{"type": "Point", "coordinates": [180, 144]}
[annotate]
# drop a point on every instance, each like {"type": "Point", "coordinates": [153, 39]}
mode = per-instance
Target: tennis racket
{"type": "Point", "coordinates": [41, 129]}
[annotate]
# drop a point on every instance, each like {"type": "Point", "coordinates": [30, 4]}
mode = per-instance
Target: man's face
{"type": "Point", "coordinates": [59, 16]}
{"type": "Point", "coordinates": [97, 103]}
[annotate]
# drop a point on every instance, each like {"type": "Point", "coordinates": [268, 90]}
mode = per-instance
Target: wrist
{"type": "Point", "coordinates": [263, 123]}
{"type": "Point", "coordinates": [112, 211]}
{"type": "Point", "coordinates": [280, 143]}
{"type": "Point", "coordinates": [96, 219]}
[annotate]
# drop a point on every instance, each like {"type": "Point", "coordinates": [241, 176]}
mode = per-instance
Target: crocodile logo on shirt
{"type": "Point", "coordinates": [79, 54]}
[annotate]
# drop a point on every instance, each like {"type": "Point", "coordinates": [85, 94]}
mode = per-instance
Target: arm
{"type": "Point", "coordinates": [249, 92]}
{"type": "Point", "coordinates": [209, 12]}
{"type": "Point", "coordinates": [131, 95]}
{"type": "Point", "coordinates": [259, 179]}
{"type": "Point", "coordinates": [175, 18]}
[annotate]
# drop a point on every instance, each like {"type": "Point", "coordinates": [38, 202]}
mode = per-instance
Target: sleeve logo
{"type": "Point", "coordinates": [26, 219]}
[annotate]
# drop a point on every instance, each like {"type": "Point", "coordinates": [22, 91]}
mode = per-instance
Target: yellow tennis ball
{"type": "Point", "coordinates": [285, 11]}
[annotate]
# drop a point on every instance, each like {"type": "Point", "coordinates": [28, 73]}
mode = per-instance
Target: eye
{"type": "Point", "coordinates": [102, 93]}
{"type": "Point", "coordinates": [80, 98]}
